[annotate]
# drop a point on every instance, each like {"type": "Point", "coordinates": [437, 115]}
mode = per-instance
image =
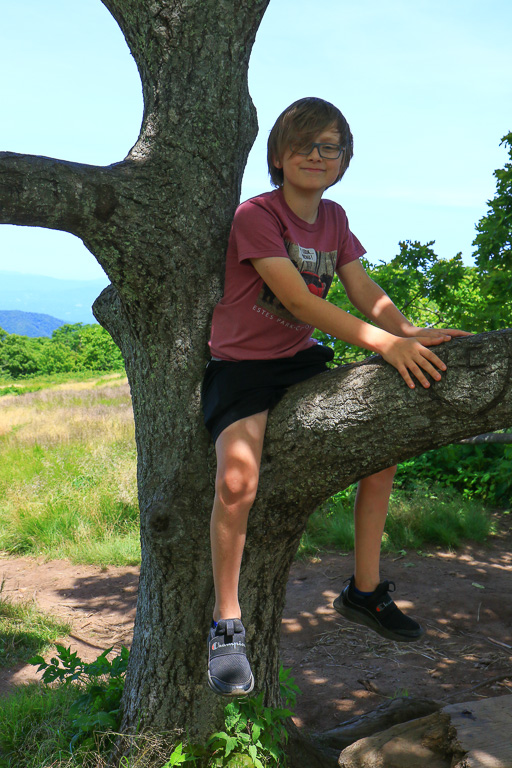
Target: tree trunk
{"type": "Point", "coordinates": [158, 223]}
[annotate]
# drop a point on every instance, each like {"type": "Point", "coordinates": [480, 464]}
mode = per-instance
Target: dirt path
{"type": "Point", "coordinates": [462, 599]}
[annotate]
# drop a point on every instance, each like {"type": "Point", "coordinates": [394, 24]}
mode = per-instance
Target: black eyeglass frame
{"type": "Point", "coordinates": [319, 146]}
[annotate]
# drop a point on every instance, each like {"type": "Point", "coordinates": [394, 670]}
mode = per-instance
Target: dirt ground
{"type": "Point", "coordinates": [462, 598]}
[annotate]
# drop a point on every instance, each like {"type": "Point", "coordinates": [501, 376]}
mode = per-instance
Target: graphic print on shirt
{"type": "Point", "coordinates": [317, 270]}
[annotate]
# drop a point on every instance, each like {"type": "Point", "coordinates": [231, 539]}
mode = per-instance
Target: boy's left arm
{"type": "Point", "coordinates": [375, 304]}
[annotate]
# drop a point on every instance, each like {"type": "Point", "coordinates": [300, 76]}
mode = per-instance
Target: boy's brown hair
{"type": "Point", "coordinates": [300, 123]}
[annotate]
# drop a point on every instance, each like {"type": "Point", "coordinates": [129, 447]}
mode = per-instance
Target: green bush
{"type": "Point", "coordinates": [253, 735]}
{"type": "Point", "coordinates": [72, 348]}
{"type": "Point", "coordinates": [100, 687]}
{"type": "Point", "coordinates": [73, 718]}
{"type": "Point", "coordinates": [476, 471]}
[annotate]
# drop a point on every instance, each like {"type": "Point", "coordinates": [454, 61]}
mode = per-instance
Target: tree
{"type": "Point", "coordinates": [158, 223]}
{"type": "Point", "coordinates": [494, 246]}
{"type": "Point", "coordinates": [20, 355]}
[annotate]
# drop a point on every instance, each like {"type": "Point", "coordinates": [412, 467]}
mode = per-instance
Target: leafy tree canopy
{"type": "Point", "coordinates": [494, 245]}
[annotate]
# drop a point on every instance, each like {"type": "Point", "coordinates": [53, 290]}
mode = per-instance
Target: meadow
{"type": "Point", "coordinates": [68, 470]}
{"type": "Point", "coordinates": [68, 481]}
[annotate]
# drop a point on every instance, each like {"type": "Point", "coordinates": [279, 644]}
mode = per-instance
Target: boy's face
{"type": "Point", "coordinates": [309, 173]}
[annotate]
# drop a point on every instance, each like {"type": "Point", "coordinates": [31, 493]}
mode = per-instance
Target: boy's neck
{"type": "Point", "coordinates": [305, 206]}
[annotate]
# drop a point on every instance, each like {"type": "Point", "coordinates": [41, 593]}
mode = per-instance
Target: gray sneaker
{"type": "Point", "coordinates": [229, 671]}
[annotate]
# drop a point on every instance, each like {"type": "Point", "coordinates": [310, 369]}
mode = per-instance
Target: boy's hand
{"type": "Point", "coordinates": [435, 335]}
{"type": "Point", "coordinates": [412, 356]}
{"type": "Point", "coordinates": [416, 358]}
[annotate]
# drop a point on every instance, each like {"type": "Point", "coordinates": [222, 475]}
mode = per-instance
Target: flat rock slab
{"type": "Point", "coordinates": [421, 743]}
{"type": "Point", "coordinates": [474, 734]}
{"type": "Point", "coordinates": [484, 731]}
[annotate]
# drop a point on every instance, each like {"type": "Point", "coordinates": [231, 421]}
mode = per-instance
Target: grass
{"type": "Point", "coordinates": [25, 631]}
{"type": "Point", "coordinates": [35, 383]}
{"type": "Point", "coordinates": [35, 732]}
{"type": "Point", "coordinates": [68, 472]}
{"type": "Point", "coordinates": [425, 516]}
{"type": "Point", "coordinates": [33, 724]}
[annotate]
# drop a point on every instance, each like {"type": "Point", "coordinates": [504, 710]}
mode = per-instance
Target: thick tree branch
{"type": "Point", "coordinates": [362, 418]}
{"type": "Point", "coordinates": [55, 194]}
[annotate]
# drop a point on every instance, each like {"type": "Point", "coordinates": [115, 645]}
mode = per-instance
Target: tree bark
{"type": "Point", "coordinates": [158, 223]}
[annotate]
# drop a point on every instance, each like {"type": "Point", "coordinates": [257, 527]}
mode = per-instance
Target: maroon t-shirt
{"type": "Point", "coordinates": [249, 322]}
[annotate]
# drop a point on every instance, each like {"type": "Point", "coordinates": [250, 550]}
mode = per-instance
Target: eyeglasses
{"type": "Point", "coordinates": [327, 151]}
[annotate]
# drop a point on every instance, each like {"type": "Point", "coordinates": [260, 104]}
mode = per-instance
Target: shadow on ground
{"type": "Point", "coordinates": [462, 599]}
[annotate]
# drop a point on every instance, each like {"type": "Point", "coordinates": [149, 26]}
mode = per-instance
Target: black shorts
{"type": "Point", "coordinates": [235, 390]}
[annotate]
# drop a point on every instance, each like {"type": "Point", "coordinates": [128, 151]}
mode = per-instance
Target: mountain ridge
{"type": "Point", "coordinates": [31, 324]}
{"type": "Point", "coordinates": [70, 300]}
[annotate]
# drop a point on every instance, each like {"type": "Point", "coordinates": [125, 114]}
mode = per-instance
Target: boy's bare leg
{"type": "Point", "coordinates": [238, 450]}
{"type": "Point", "coordinates": [375, 610]}
{"type": "Point", "coordinates": [370, 510]}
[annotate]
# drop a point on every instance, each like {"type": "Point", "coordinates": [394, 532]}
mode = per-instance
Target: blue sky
{"type": "Point", "coordinates": [425, 85]}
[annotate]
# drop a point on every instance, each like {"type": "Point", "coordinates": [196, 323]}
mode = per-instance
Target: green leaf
{"type": "Point", "coordinates": [231, 743]}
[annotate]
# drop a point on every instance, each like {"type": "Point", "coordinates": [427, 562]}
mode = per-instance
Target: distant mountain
{"type": "Point", "coordinates": [28, 323]}
{"type": "Point", "coordinates": [70, 300]}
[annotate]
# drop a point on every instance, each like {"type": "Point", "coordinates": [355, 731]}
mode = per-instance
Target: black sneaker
{"type": "Point", "coordinates": [229, 671]}
{"type": "Point", "coordinates": [378, 612]}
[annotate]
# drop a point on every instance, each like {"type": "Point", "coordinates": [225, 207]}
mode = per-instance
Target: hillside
{"type": "Point", "coordinates": [28, 323]}
{"type": "Point", "coordinates": [70, 300]}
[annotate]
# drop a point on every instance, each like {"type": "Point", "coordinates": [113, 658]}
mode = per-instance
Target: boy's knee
{"type": "Point", "coordinates": [237, 486]}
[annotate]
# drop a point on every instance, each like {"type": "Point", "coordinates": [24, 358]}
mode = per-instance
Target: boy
{"type": "Point", "coordinates": [284, 248]}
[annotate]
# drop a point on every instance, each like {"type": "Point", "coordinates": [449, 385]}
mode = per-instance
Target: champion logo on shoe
{"type": "Point", "coordinates": [225, 645]}
{"type": "Point", "coordinates": [384, 604]}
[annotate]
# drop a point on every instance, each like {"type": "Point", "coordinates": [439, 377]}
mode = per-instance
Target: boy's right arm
{"type": "Point", "coordinates": [408, 355]}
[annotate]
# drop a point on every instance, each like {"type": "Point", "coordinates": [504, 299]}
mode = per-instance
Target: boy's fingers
{"type": "Point", "coordinates": [404, 373]}
{"type": "Point", "coordinates": [427, 363]}
{"type": "Point", "coordinates": [418, 373]}
{"type": "Point", "coordinates": [456, 332]}
{"type": "Point", "coordinates": [430, 370]}
{"type": "Point", "coordinates": [432, 341]}
{"type": "Point", "coordinates": [434, 360]}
